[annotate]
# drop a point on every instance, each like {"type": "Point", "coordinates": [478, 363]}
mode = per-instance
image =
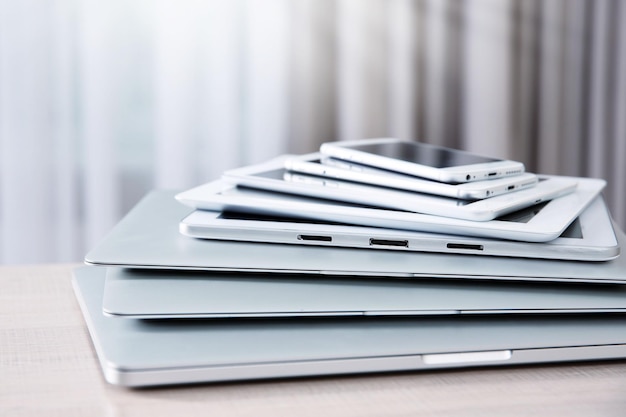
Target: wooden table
{"type": "Point", "coordinates": [48, 367]}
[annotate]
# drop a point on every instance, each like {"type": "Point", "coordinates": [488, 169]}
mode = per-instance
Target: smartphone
{"type": "Point", "coordinates": [316, 164]}
{"type": "Point", "coordinates": [272, 176]}
{"type": "Point", "coordinates": [427, 161]}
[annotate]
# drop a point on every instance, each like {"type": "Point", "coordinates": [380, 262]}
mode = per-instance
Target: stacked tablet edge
{"type": "Point", "coordinates": [315, 265]}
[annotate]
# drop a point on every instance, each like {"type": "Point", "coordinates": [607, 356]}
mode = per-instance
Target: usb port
{"type": "Point", "coordinates": [464, 246]}
{"type": "Point", "coordinates": [386, 242]}
{"type": "Point", "coordinates": [315, 238]}
{"type": "Point", "coordinates": [491, 174]}
{"type": "Point", "coordinates": [510, 187]}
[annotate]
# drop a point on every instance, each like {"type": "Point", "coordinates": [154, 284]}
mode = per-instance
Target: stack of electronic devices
{"type": "Point", "coordinates": [370, 256]}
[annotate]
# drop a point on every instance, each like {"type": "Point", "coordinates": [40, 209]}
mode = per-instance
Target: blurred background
{"type": "Point", "coordinates": [102, 101]}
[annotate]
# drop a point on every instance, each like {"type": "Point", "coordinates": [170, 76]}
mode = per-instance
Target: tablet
{"type": "Point", "coordinates": [160, 352]}
{"type": "Point", "coordinates": [588, 238]}
{"type": "Point", "coordinates": [316, 164]}
{"type": "Point", "coordinates": [150, 294]}
{"type": "Point", "coordinates": [551, 220]}
{"type": "Point", "coordinates": [423, 160]}
{"type": "Point", "coordinates": [148, 237]}
{"type": "Point", "coordinates": [272, 176]}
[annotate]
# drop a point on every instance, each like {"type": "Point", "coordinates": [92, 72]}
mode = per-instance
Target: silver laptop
{"type": "Point", "coordinates": [151, 294]}
{"type": "Point", "coordinates": [157, 352]}
{"type": "Point", "coordinates": [148, 237]}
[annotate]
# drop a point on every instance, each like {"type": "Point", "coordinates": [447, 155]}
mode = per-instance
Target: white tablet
{"type": "Point", "coordinates": [551, 220]}
{"type": "Point", "coordinates": [316, 164]}
{"type": "Point", "coordinates": [589, 238]}
{"type": "Point", "coordinates": [272, 176]}
{"type": "Point", "coordinates": [423, 160]}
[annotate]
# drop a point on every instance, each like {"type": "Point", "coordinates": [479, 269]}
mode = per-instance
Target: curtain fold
{"type": "Point", "coordinates": [27, 157]}
{"type": "Point", "coordinates": [313, 108]}
{"type": "Point", "coordinates": [617, 185]}
{"type": "Point", "coordinates": [487, 77]}
{"type": "Point", "coordinates": [403, 78]}
{"type": "Point", "coordinates": [102, 101]}
{"type": "Point", "coordinates": [362, 79]}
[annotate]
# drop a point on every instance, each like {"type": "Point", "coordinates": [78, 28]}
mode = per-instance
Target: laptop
{"type": "Point", "coordinates": [148, 237]}
{"type": "Point", "coordinates": [150, 294]}
{"type": "Point", "coordinates": [162, 352]}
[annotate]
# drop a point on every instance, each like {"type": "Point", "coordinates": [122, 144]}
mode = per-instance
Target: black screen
{"type": "Point", "coordinates": [428, 155]}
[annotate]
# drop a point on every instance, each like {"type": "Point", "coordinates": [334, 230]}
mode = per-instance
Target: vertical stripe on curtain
{"type": "Point", "coordinates": [99, 90]}
{"type": "Point", "coordinates": [524, 88]}
{"type": "Point", "coordinates": [221, 90]}
{"type": "Point", "coordinates": [312, 75]}
{"type": "Point", "coordinates": [435, 87]}
{"type": "Point", "coordinates": [67, 238]}
{"type": "Point", "coordinates": [550, 87]}
{"type": "Point", "coordinates": [265, 79]}
{"type": "Point", "coordinates": [363, 86]}
{"type": "Point", "coordinates": [178, 36]}
{"type": "Point", "coordinates": [27, 152]}
{"type": "Point", "coordinates": [487, 77]}
{"type": "Point", "coordinates": [617, 186]}
{"type": "Point", "coordinates": [599, 85]}
{"type": "Point", "coordinates": [402, 20]}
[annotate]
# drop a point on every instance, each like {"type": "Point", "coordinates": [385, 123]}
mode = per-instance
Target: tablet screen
{"type": "Point", "coordinates": [574, 231]}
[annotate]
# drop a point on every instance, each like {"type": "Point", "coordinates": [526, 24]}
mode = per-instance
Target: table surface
{"type": "Point", "coordinates": [48, 367]}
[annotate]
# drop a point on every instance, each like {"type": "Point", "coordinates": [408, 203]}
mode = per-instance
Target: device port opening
{"type": "Point", "coordinates": [464, 246]}
{"type": "Point", "coordinates": [315, 238]}
{"type": "Point", "coordinates": [389, 242]}
{"type": "Point", "coordinates": [510, 187]}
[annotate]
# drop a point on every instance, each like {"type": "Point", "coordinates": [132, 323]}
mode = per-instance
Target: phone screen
{"type": "Point", "coordinates": [427, 155]}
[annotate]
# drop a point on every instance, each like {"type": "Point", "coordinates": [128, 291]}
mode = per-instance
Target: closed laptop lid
{"type": "Point", "coordinates": [154, 294]}
{"type": "Point", "coordinates": [148, 237]}
{"type": "Point", "coordinates": [151, 352]}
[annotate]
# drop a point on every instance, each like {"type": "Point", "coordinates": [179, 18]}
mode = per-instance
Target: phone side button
{"type": "Point", "coordinates": [467, 357]}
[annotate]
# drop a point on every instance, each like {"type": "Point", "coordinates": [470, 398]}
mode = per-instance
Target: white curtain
{"type": "Point", "coordinates": [102, 101]}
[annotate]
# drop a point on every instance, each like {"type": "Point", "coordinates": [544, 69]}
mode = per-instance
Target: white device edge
{"type": "Point", "coordinates": [371, 195]}
{"type": "Point", "coordinates": [599, 242]}
{"type": "Point", "coordinates": [551, 221]}
{"type": "Point", "coordinates": [345, 170]}
{"type": "Point", "coordinates": [458, 174]}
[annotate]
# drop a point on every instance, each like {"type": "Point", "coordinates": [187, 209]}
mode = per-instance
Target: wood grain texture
{"type": "Point", "coordinates": [48, 367]}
